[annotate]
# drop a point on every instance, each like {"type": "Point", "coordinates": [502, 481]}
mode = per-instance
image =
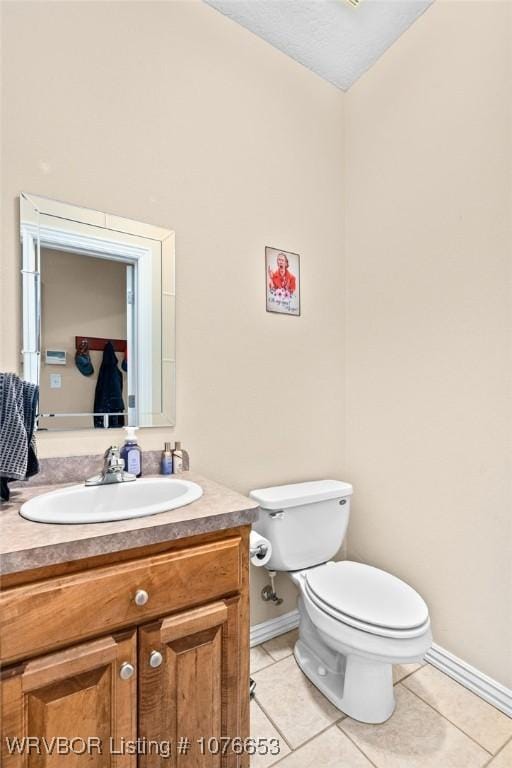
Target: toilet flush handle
{"type": "Point", "coordinates": [277, 515]}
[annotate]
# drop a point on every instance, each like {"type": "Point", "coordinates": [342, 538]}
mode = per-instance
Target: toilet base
{"type": "Point", "coordinates": [360, 687]}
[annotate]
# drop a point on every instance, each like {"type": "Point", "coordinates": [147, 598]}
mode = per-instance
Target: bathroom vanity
{"type": "Point", "coordinates": [128, 633]}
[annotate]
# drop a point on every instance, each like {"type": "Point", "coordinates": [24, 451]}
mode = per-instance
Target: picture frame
{"type": "Point", "coordinates": [282, 281]}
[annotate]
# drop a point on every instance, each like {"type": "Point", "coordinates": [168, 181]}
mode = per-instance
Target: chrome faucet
{"type": "Point", "coordinates": [113, 469]}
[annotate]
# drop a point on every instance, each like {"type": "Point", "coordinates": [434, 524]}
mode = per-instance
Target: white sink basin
{"type": "Point", "coordinates": [117, 501]}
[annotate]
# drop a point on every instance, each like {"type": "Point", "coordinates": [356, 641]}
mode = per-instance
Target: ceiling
{"type": "Point", "coordinates": [331, 37]}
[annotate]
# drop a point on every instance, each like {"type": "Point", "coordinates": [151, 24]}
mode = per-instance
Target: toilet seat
{"type": "Point", "coordinates": [368, 599]}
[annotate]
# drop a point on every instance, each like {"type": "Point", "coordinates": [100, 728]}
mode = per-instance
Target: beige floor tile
{"type": "Point", "coordinates": [403, 670]}
{"type": "Point", "coordinates": [503, 759]}
{"type": "Point", "coordinates": [415, 736]}
{"type": "Point", "coordinates": [331, 749]}
{"type": "Point", "coordinates": [260, 658]}
{"type": "Point", "coordinates": [296, 707]}
{"type": "Point", "coordinates": [262, 728]}
{"type": "Point", "coordinates": [467, 711]}
{"type": "Point", "coordinates": [282, 646]}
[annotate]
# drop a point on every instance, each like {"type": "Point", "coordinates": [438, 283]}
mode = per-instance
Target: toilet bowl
{"type": "Point", "coordinates": [350, 659]}
{"type": "Point", "coordinates": [356, 621]}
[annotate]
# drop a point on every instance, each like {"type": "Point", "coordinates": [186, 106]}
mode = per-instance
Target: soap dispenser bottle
{"type": "Point", "coordinates": [180, 459]}
{"type": "Point", "coordinates": [131, 453]}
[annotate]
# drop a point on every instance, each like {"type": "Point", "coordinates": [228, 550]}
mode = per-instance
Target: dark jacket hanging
{"type": "Point", "coordinates": [108, 397]}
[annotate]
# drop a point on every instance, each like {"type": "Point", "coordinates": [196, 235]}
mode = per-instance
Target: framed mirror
{"type": "Point", "coordinates": [98, 317]}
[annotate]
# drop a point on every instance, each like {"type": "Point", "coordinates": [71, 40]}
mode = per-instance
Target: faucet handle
{"type": "Point", "coordinates": [113, 459]}
{"type": "Point", "coordinates": [113, 469]}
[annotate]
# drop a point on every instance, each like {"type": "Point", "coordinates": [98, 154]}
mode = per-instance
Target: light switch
{"type": "Point", "coordinates": [55, 381]}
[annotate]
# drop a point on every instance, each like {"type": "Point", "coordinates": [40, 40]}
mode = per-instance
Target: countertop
{"type": "Point", "coordinates": [26, 545]}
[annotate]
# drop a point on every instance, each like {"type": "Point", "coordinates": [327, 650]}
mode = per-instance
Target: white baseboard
{"type": "Point", "coordinates": [485, 687]}
{"type": "Point", "coordinates": [488, 689]}
{"type": "Point", "coordinates": [260, 633]}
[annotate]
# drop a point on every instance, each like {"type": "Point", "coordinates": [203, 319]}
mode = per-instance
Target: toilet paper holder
{"type": "Point", "coordinates": [259, 551]}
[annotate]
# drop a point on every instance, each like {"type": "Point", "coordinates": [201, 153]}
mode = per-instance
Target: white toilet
{"type": "Point", "coordinates": [356, 621]}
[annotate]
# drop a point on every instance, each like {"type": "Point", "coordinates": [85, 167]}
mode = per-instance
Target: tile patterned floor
{"type": "Point", "coordinates": [437, 723]}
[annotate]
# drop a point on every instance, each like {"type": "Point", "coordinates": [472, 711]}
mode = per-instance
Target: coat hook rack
{"type": "Point", "coordinates": [97, 344]}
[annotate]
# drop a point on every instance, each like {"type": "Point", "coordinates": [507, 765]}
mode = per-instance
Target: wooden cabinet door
{"type": "Point", "coordinates": [191, 685]}
{"type": "Point", "coordinates": [84, 695]}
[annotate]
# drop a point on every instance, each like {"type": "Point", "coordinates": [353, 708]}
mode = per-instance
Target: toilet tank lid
{"type": "Point", "coordinates": [282, 496]}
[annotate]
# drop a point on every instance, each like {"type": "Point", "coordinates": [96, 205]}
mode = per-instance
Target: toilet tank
{"type": "Point", "coordinates": [304, 522]}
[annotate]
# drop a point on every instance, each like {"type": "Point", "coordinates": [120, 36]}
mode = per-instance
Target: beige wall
{"type": "Point", "coordinates": [197, 125]}
{"type": "Point", "coordinates": [80, 296]}
{"type": "Point", "coordinates": [428, 164]}
{"type": "Point", "coordinates": [172, 114]}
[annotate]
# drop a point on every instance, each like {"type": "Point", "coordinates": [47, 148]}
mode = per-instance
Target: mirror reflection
{"type": "Point", "coordinates": [83, 339]}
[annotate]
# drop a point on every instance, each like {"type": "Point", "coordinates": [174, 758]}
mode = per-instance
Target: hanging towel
{"type": "Point", "coordinates": [18, 407]}
{"type": "Point", "coordinates": [108, 397]}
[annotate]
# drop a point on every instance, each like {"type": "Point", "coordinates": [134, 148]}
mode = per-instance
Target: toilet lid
{"type": "Point", "coordinates": [368, 595]}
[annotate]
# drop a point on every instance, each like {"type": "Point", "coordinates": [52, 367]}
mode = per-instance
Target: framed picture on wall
{"type": "Point", "coordinates": [282, 275]}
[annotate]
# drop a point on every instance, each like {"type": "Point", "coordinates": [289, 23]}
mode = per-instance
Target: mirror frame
{"type": "Point", "coordinates": [47, 223]}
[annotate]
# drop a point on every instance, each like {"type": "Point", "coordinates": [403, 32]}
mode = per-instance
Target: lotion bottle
{"type": "Point", "coordinates": [180, 459]}
{"type": "Point", "coordinates": [166, 460]}
{"type": "Point", "coordinates": [131, 453]}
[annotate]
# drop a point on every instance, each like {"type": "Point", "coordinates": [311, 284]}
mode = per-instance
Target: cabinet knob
{"type": "Point", "coordinates": [141, 597]}
{"type": "Point", "coordinates": [155, 659]}
{"type": "Point", "coordinates": [126, 671]}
